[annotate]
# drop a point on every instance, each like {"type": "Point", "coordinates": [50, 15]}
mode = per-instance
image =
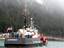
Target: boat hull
{"type": "Point", "coordinates": [23, 42]}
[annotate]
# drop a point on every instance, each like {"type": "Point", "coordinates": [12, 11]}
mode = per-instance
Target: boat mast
{"type": "Point", "coordinates": [26, 15]}
{"type": "Point", "coordinates": [31, 23]}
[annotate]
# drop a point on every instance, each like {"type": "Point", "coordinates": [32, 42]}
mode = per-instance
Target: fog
{"type": "Point", "coordinates": [47, 14]}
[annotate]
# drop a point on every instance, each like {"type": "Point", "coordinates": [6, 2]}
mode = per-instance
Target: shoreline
{"type": "Point", "coordinates": [55, 38]}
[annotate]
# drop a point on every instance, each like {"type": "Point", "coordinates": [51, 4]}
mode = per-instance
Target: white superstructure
{"type": "Point", "coordinates": [31, 31]}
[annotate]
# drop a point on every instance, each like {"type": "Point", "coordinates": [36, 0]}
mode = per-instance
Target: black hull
{"type": "Point", "coordinates": [22, 45]}
{"type": "Point", "coordinates": [23, 42]}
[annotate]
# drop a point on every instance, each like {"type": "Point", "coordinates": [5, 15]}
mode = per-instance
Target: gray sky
{"type": "Point", "coordinates": [44, 10]}
{"type": "Point", "coordinates": [53, 7]}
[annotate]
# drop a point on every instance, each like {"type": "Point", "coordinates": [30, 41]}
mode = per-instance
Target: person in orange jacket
{"type": "Point", "coordinates": [44, 39]}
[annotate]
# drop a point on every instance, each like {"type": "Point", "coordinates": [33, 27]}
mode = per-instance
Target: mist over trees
{"type": "Point", "coordinates": [47, 22]}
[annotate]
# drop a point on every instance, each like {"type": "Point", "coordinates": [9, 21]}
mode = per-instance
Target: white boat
{"type": "Point", "coordinates": [26, 36]}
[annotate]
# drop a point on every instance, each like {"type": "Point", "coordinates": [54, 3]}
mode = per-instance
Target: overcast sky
{"type": "Point", "coordinates": [46, 12]}
{"type": "Point", "coordinates": [53, 7]}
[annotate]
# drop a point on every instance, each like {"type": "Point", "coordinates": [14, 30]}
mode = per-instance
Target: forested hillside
{"type": "Point", "coordinates": [47, 19]}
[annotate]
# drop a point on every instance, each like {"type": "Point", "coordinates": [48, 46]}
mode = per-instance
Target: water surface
{"type": "Point", "coordinates": [51, 44]}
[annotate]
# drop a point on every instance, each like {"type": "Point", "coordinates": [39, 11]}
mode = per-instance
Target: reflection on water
{"type": "Point", "coordinates": [51, 44]}
{"type": "Point", "coordinates": [21, 47]}
{"type": "Point", "coordinates": [16, 47]}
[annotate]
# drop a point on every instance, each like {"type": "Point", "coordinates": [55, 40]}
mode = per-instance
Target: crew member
{"type": "Point", "coordinates": [44, 39]}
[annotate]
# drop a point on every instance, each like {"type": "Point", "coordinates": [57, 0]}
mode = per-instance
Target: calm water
{"type": "Point", "coordinates": [51, 44]}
